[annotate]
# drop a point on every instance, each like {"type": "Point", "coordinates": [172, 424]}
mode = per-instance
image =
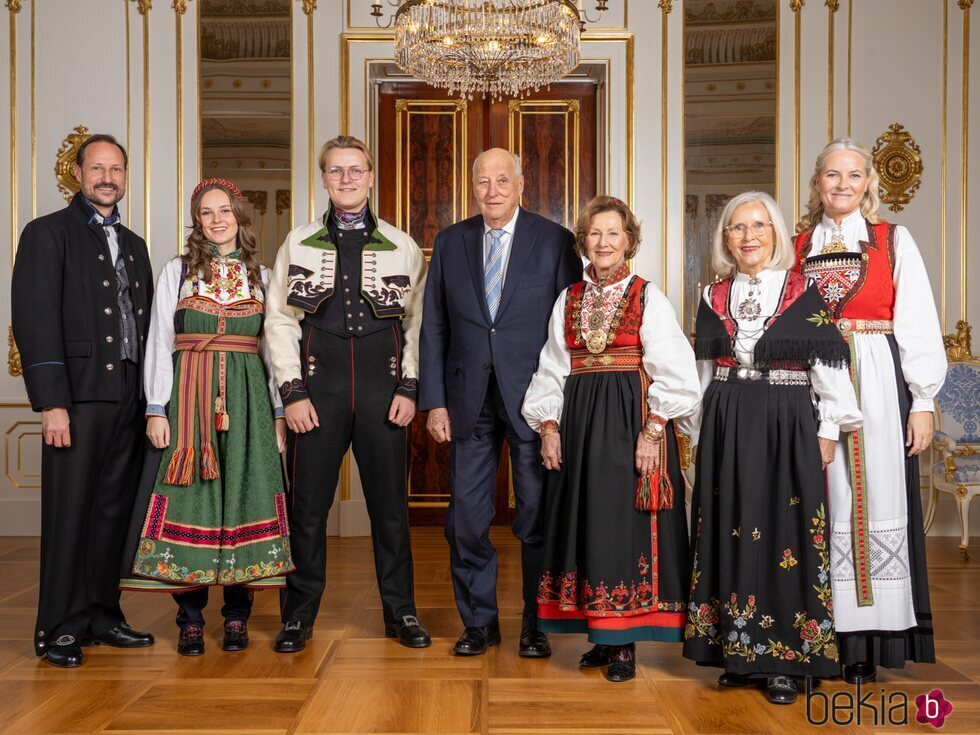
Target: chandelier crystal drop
{"type": "Point", "coordinates": [498, 47]}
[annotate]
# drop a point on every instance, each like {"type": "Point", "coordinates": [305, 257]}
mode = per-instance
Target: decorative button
{"type": "Point", "coordinates": [350, 329]}
{"type": "Point", "coordinates": [106, 284]}
{"type": "Point", "coordinates": [360, 301]}
{"type": "Point", "coordinates": [109, 339]}
{"type": "Point", "coordinates": [348, 302]}
{"type": "Point", "coordinates": [124, 317]}
{"type": "Point", "coordinates": [130, 258]}
{"type": "Point", "coordinates": [345, 277]}
{"type": "Point", "coordinates": [346, 290]}
{"type": "Point", "coordinates": [140, 312]}
{"type": "Point", "coordinates": [101, 257]}
{"type": "Point", "coordinates": [360, 313]}
{"type": "Point", "coordinates": [137, 284]}
{"type": "Point", "coordinates": [349, 316]}
{"type": "Point", "coordinates": [359, 329]}
{"type": "Point", "coordinates": [108, 311]}
{"type": "Point", "coordinates": [40, 634]}
{"type": "Point", "coordinates": [110, 366]}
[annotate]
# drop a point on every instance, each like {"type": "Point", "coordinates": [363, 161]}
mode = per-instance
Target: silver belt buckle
{"type": "Point", "coordinates": [844, 324]}
{"type": "Point", "coordinates": [743, 373]}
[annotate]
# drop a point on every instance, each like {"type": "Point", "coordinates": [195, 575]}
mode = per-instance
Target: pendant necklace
{"type": "Point", "coordinates": [596, 338]}
{"type": "Point", "coordinates": [836, 244]}
{"type": "Point", "coordinates": [750, 309]}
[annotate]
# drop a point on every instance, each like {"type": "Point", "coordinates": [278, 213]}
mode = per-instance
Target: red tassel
{"type": "Point", "coordinates": [654, 491]}
{"type": "Point", "coordinates": [209, 463]}
{"type": "Point", "coordinates": [180, 470]}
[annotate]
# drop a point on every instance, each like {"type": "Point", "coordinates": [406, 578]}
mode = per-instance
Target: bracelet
{"type": "Point", "coordinates": [651, 436]}
{"type": "Point", "coordinates": [653, 430]}
{"type": "Point", "coordinates": [547, 428]}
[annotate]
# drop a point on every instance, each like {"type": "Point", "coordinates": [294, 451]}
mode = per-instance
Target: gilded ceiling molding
{"type": "Point", "coordinates": [898, 160]}
{"type": "Point", "coordinates": [665, 5]}
{"type": "Point", "coordinates": [258, 199]}
{"type": "Point", "coordinates": [965, 4]}
{"type": "Point", "coordinates": [179, 6]}
{"type": "Point", "coordinates": [14, 6]}
{"type": "Point", "coordinates": [144, 6]}
{"type": "Point", "coordinates": [796, 5]}
{"type": "Point", "coordinates": [283, 200]}
{"type": "Point", "coordinates": [834, 5]}
{"type": "Point", "coordinates": [308, 6]}
{"type": "Point", "coordinates": [64, 165]}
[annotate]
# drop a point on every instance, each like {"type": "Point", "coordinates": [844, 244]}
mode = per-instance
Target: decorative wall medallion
{"type": "Point", "coordinates": [283, 197]}
{"type": "Point", "coordinates": [14, 366]}
{"type": "Point", "coordinates": [258, 199]}
{"type": "Point", "coordinates": [64, 165]}
{"type": "Point", "coordinates": [898, 160]}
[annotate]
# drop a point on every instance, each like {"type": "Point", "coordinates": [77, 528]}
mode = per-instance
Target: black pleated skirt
{"type": "Point", "coordinates": [760, 590]}
{"type": "Point", "coordinates": [614, 572]}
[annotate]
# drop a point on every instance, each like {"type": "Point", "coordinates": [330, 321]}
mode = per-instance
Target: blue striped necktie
{"type": "Point", "coordinates": [493, 273]}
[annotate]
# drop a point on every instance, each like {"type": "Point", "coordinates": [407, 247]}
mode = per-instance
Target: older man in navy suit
{"type": "Point", "coordinates": [492, 283]}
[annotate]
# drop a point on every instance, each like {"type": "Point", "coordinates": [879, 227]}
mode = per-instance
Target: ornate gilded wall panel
{"type": "Point", "coordinates": [546, 135]}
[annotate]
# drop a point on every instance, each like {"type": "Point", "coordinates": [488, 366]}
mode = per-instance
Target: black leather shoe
{"type": "Point", "coordinates": [622, 663]}
{"type": "Point", "coordinates": [65, 655]}
{"type": "Point", "coordinates": [731, 679]}
{"type": "Point", "coordinates": [862, 673]}
{"type": "Point", "coordinates": [781, 689]}
{"type": "Point", "coordinates": [409, 632]}
{"type": "Point", "coordinates": [595, 657]}
{"type": "Point", "coordinates": [534, 643]}
{"type": "Point", "coordinates": [476, 640]}
{"type": "Point", "coordinates": [122, 636]}
{"type": "Point", "coordinates": [236, 636]}
{"type": "Point", "coordinates": [293, 637]}
{"type": "Point", "coordinates": [191, 641]}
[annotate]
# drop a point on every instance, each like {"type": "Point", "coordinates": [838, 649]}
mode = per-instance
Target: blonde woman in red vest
{"type": "Point", "coordinates": [872, 277]}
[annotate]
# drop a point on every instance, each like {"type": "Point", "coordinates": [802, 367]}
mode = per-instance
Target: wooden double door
{"type": "Point", "coordinates": [428, 142]}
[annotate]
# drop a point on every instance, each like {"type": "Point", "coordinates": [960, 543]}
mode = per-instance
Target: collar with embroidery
{"type": "Point", "coordinates": [620, 274]}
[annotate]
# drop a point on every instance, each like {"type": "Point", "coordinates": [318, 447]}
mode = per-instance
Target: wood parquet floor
{"type": "Point", "coordinates": [351, 679]}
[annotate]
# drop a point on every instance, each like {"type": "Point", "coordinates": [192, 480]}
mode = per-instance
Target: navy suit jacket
{"type": "Point", "coordinates": [459, 343]}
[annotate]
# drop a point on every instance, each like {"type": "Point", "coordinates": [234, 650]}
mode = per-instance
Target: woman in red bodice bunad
{"type": "Point", "coordinates": [873, 279]}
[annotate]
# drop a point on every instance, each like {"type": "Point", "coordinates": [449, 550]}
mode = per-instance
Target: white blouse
{"type": "Point", "coordinates": [833, 392]}
{"type": "Point", "coordinates": [158, 371]}
{"type": "Point", "coordinates": [667, 358]}
{"type": "Point", "coordinates": [917, 331]}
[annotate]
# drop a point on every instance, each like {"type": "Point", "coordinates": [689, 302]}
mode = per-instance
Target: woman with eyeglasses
{"type": "Point", "coordinates": [777, 394]}
{"type": "Point", "coordinates": [877, 290]}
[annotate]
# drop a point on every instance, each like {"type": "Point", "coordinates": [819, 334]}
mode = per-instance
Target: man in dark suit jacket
{"type": "Point", "coordinates": [493, 281]}
{"type": "Point", "coordinates": [81, 292]}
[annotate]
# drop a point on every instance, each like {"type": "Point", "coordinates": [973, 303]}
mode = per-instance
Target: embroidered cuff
{"type": "Point", "coordinates": [292, 391]}
{"type": "Point", "coordinates": [827, 430]}
{"type": "Point", "coordinates": [155, 409]}
{"type": "Point", "coordinates": [279, 412]}
{"type": "Point", "coordinates": [409, 388]}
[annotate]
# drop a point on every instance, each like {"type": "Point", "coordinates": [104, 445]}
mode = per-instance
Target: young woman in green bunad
{"type": "Point", "coordinates": [211, 510]}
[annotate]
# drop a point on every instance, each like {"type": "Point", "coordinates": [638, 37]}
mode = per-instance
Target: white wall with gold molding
{"type": "Point", "coordinates": [895, 74]}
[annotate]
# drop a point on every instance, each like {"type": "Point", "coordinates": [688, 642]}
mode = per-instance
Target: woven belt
{"type": "Point", "coordinates": [613, 359]}
{"type": "Point", "coordinates": [216, 343]}
{"type": "Point", "coordinates": [773, 377]}
{"type": "Point", "coordinates": [866, 326]}
{"type": "Point", "coordinates": [196, 378]}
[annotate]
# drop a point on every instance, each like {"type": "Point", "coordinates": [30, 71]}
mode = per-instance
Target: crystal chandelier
{"type": "Point", "coordinates": [496, 47]}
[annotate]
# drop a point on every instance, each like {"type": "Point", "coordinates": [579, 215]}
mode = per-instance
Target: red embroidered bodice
{"type": "Point", "coordinates": [626, 330]}
{"type": "Point", "coordinates": [854, 285]}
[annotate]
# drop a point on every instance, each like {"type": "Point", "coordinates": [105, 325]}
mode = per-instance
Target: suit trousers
{"type": "Point", "coordinates": [191, 604]}
{"type": "Point", "coordinates": [87, 495]}
{"type": "Point", "coordinates": [473, 558]}
{"type": "Point", "coordinates": [351, 382]}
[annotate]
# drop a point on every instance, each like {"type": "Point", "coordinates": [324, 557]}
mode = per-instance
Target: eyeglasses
{"type": "Point", "coordinates": [354, 173]}
{"type": "Point", "coordinates": [739, 232]}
